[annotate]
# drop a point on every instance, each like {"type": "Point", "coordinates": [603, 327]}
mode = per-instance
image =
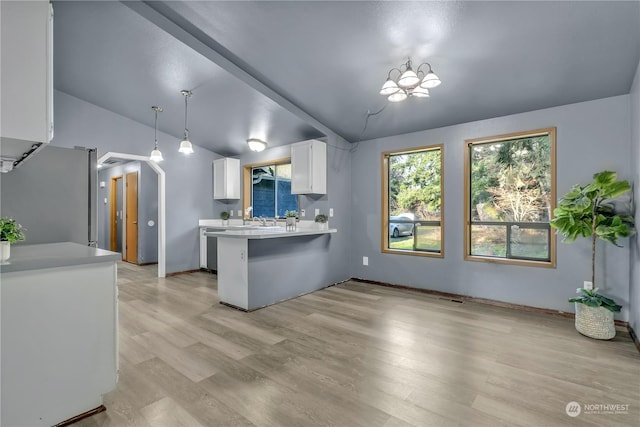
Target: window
{"type": "Point", "coordinates": [412, 201]}
{"type": "Point", "coordinates": [509, 198]}
{"type": "Point", "coordinates": [267, 188]}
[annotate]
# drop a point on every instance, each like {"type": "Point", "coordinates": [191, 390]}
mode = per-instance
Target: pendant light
{"type": "Point", "coordinates": [156, 155]}
{"type": "Point", "coordinates": [185, 144]}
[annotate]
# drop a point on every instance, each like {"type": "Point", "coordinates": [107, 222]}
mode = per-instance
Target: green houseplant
{"type": "Point", "coordinates": [321, 221]}
{"type": "Point", "coordinates": [290, 218]}
{"type": "Point", "coordinates": [10, 232]}
{"type": "Point", "coordinates": [321, 218]}
{"type": "Point", "coordinates": [224, 216]}
{"type": "Point", "coordinates": [588, 211]}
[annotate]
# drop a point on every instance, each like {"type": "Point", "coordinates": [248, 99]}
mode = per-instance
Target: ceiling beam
{"type": "Point", "coordinates": [177, 26]}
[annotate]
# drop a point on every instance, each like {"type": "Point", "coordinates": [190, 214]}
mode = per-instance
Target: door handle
{"type": "Point", "coordinates": [134, 222]}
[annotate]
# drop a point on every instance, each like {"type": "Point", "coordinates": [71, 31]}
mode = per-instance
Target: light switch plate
{"type": "Point", "coordinates": [301, 212]}
{"type": "Point", "coordinates": [317, 212]}
{"type": "Point", "coordinates": [365, 260]}
{"type": "Point", "coordinates": [330, 212]}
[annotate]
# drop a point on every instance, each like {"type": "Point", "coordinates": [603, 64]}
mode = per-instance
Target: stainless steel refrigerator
{"type": "Point", "coordinates": [54, 195]}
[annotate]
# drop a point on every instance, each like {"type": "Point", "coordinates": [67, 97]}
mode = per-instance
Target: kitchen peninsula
{"type": "Point", "coordinates": [260, 266]}
{"type": "Point", "coordinates": [59, 332]}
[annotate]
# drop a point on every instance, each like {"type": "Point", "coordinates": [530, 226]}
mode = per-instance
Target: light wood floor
{"type": "Point", "coordinates": [354, 355]}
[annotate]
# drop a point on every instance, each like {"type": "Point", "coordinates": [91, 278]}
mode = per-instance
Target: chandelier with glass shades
{"type": "Point", "coordinates": [409, 83]}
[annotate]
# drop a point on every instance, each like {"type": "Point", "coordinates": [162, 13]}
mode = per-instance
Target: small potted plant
{"type": "Point", "coordinates": [10, 232]}
{"type": "Point", "coordinates": [588, 211]}
{"type": "Point", "coordinates": [224, 215]}
{"type": "Point", "coordinates": [321, 221]}
{"type": "Point", "coordinates": [290, 217]}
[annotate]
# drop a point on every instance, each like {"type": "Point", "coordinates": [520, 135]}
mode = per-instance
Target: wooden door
{"type": "Point", "coordinates": [116, 214]}
{"type": "Point", "coordinates": [131, 216]}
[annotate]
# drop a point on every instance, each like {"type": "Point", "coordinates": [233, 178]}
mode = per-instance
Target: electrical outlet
{"type": "Point", "coordinates": [231, 213]}
{"type": "Point", "coordinates": [330, 211]}
{"type": "Point", "coordinates": [587, 284]}
{"type": "Point", "coordinates": [301, 212]}
{"type": "Point", "coordinates": [365, 260]}
{"type": "Point", "coordinates": [317, 212]}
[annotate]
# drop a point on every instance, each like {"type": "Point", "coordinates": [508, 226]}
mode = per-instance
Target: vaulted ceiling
{"type": "Point", "coordinates": [289, 71]}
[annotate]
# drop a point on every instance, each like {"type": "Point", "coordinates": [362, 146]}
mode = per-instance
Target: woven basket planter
{"type": "Point", "coordinates": [595, 322]}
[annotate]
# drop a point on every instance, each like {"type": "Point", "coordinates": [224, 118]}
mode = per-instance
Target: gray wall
{"type": "Point", "coordinates": [148, 200]}
{"type": "Point", "coordinates": [634, 274]}
{"type": "Point", "coordinates": [188, 178]}
{"type": "Point", "coordinates": [48, 195]}
{"type": "Point", "coordinates": [274, 276]}
{"type": "Point", "coordinates": [591, 136]}
{"type": "Point", "coordinates": [147, 208]}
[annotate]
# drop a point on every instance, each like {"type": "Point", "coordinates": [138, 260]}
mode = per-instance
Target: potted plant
{"type": "Point", "coordinates": [290, 217]}
{"type": "Point", "coordinates": [321, 221]}
{"type": "Point", "coordinates": [224, 215]}
{"type": "Point", "coordinates": [589, 211]}
{"type": "Point", "coordinates": [10, 232]}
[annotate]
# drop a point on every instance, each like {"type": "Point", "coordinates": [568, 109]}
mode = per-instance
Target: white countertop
{"type": "Point", "coordinates": [51, 255]}
{"type": "Point", "coordinates": [267, 232]}
{"type": "Point", "coordinates": [217, 223]}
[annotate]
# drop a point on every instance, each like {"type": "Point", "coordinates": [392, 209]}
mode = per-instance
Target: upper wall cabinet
{"type": "Point", "coordinates": [309, 167]}
{"type": "Point", "coordinates": [26, 79]}
{"type": "Point", "coordinates": [226, 179]}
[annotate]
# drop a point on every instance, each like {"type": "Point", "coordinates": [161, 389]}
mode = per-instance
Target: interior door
{"type": "Point", "coordinates": [131, 217]}
{"type": "Point", "coordinates": [116, 214]}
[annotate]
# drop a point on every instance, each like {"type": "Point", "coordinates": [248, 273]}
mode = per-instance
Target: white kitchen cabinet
{"type": "Point", "coordinates": [59, 332]}
{"type": "Point", "coordinates": [26, 76]}
{"type": "Point", "coordinates": [226, 179]}
{"type": "Point", "coordinates": [309, 167]}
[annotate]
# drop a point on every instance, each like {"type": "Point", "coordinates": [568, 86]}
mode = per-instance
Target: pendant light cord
{"type": "Point", "coordinates": [186, 114]}
{"type": "Point", "coordinates": [155, 130]}
{"type": "Point", "coordinates": [187, 94]}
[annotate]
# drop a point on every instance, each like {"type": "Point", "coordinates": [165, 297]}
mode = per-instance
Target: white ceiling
{"type": "Point", "coordinates": [288, 71]}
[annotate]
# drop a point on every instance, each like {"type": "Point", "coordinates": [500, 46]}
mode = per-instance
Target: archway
{"type": "Point", "coordinates": [161, 202]}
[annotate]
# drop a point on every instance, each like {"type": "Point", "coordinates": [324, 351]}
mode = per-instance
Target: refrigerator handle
{"type": "Point", "coordinates": [92, 157]}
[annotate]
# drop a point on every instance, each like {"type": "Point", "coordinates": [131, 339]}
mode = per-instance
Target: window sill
{"type": "Point", "coordinates": [413, 253]}
{"type": "Point", "coordinates": [521, 262]}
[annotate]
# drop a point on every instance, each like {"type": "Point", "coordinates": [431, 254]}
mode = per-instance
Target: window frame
{"type": "Point", "coordinates": [247, 180]}
{"type": "Point", "coordinates": [468, 146]}
{"type": "Point", "coordinates": [384, 231]}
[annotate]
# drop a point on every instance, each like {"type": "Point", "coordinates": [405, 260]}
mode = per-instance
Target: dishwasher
{"type": "Point", "coordinates": [209, 250]}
